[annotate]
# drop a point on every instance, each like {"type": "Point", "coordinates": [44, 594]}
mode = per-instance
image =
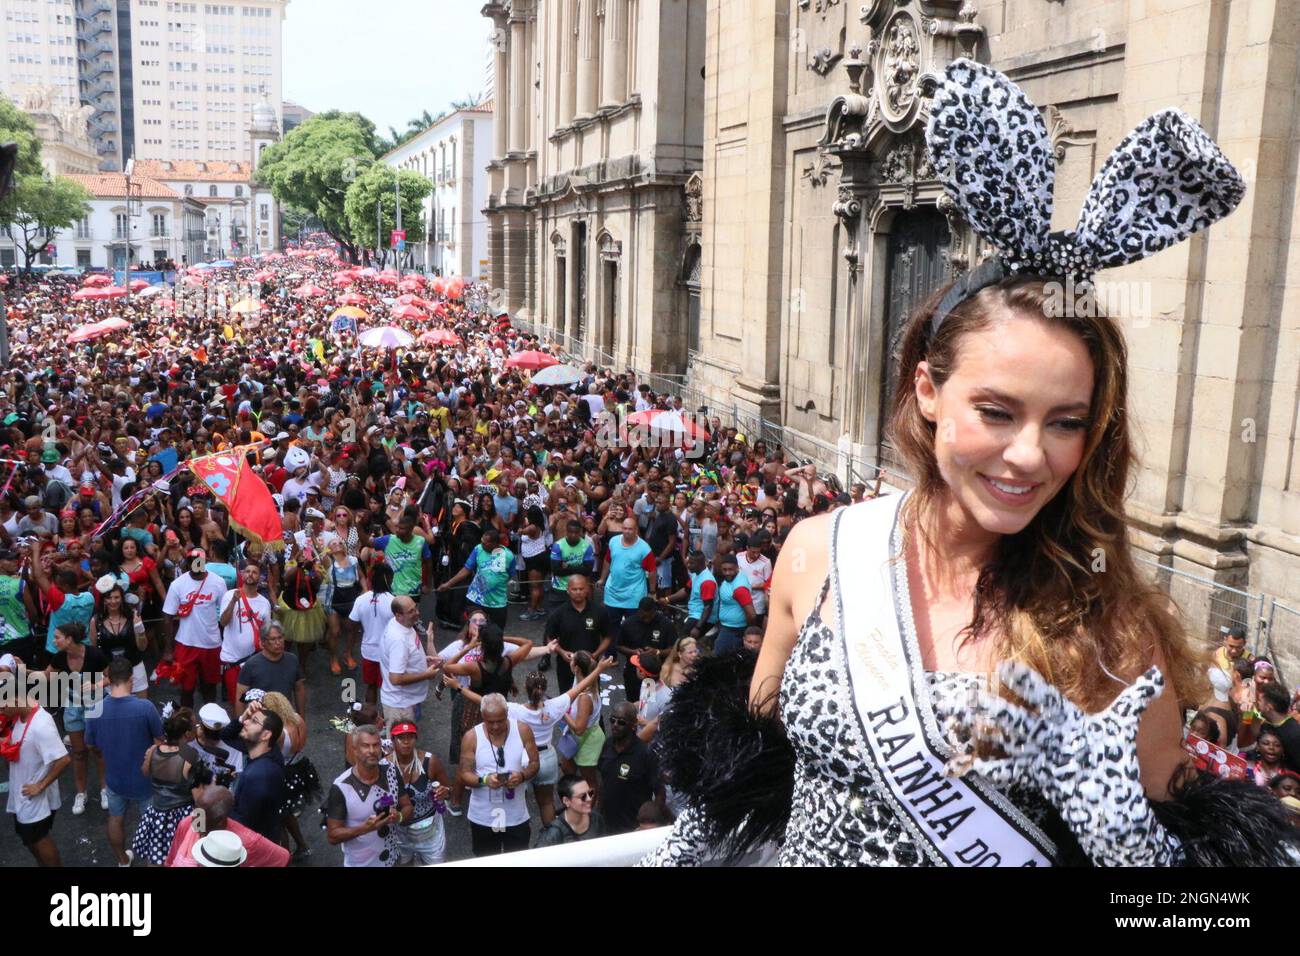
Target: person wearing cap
{"type": "Point", "coordinates": [192, 614]}
{"type": "Point", "coordinates": [224, 761]}
{"type": "Point", "coordinates": [127, 726]}
{"type": "Point", "coordinates": [211, 838]}
{"type": "Point", "coordinates": [421, 838]}
{"type": "Point", "coordinates": [649, 629]}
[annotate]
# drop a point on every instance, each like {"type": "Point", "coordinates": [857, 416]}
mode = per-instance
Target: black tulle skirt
{"type": "Point", "coordinates": [302, 786]}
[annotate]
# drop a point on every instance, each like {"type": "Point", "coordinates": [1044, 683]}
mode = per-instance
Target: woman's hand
{"type": "Point", "coordinates": [1086, 765]}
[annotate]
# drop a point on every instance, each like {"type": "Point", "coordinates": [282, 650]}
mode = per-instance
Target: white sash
{"type": "Point", "coordinates": [956, 821]}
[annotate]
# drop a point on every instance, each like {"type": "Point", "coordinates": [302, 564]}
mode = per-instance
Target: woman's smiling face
{"type": "Point", "coordinates": [1011, 421]}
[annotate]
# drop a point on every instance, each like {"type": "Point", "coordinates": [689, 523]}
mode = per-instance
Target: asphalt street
{"type": "Point", "coordinates": [82, 840]}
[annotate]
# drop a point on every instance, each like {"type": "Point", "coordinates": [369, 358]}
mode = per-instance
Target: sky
{"type": "Point", "coordinates": [387, 59]}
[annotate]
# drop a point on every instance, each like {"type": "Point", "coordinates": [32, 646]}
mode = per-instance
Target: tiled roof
{"type": "Point", "coordinates": [113, 186]}
{"type": "Point", "coordinates": [217, 171]}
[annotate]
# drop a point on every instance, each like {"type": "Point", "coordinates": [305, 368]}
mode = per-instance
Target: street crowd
{"type": "Point", "coordinates": [419, 488]}
{"type": "Point", "coordinates": [428, 494]}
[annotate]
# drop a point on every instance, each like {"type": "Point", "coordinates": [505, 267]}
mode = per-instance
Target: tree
{"type": "Point", "coordinates": [17, 126]}
{"type": "Point", "coordinates": [313, 166]}
{"type": "Point", "coordinates": [38, 208]}
{"type": "Point", "coordinates": [376, 185]}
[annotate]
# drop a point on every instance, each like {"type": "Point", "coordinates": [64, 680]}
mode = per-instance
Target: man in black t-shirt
{"type": "Point", "coordinates": [629, 773]}
{"type": "Point", "coordinates": [1274, 703]}
{"type": "Point", "coordinates": [661, 535]}
{"type": "Point", "coordinates": [580, 624]}
{"type": "Point", "coordinates": [648, 629]}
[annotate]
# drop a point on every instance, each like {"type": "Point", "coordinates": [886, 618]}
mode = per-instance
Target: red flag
{"type": "Point", "coordinates": [246, 497]}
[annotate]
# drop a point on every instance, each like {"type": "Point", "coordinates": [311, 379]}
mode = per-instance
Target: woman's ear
{"type": "Point", "coordinates": [927, 395]}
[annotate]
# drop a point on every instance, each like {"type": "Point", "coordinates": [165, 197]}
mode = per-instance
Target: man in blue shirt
{"type": "Point", "coordinates": [507, 505]}
{"type": "Point", "coordinates": [125, 729]}
{"type": "Point", "coordinates": [259, 791]}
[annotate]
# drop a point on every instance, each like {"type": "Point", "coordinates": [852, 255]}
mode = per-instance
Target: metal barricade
{"type": "Point", "coordinates": [1210, 607]}
{"type": "Point", "coordinates": [1281, 642]}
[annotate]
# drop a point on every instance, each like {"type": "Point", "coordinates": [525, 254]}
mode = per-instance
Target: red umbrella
{"type": "Point", "coordinates": [265, 275]}
{"type": "Point", "coordinates": [440, 337]}
{"type": "Point", "coordinates": [416, 278]}
{"type": "Point", "coordinates": [96, 329]}
{"type": "Point", "coordinates": [406, 285]}
{"type": "Point", "coordinates": [367, 273]}
{"type": "Point", "coordinates": [408, 312]}
{"type": "Point", "coordinates": [97, 279]}
{"type": "Point", "coordinates": [90, 293]}
{"type": "Point", "coordinates": [114, 291]}
{"type": "Point", "coordinates": [114, 324]}
{"type": "Point", "coordinates": [437, 285]}
{"type": "Point", "coordinates": [136, 285]}
{"type": "Point", "coordinates": [309, 291]}
{"type": "Point", "coordinates": [455, 287]}
{"type": "Point", "coordinates": [532, 360]}
{"type": "Point", "coordinates": [352, 298]}
{"type": "Point", "coordinates": [386, 279]}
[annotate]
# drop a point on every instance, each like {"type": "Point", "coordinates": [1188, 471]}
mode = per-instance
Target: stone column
{"type": "Point", "coordinates": [588, 57]}
{"type": "Point", "coordinates": [613, 83]}
{"type": "Point", "coordinates": [518, 84]}
{"type": "Point", "coordinates": [567, 10]}
{"type": "Point", "coordinates": [501, 70]}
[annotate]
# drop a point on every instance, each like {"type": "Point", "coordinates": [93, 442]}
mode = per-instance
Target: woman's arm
{"type": "Point", "coordinates": [796, 586]}
{"type": "Point", "coordinates": [579, 724]}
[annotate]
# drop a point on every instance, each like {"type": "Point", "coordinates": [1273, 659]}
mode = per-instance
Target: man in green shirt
{"type": "Point", "coordinates": [493, 565]}
{"type": "Point", "coordinates": [409, 557]}
{"type": "Point", "coordinates": [15, 605]}
{"type": "Point", "coordinates": [572, 554]}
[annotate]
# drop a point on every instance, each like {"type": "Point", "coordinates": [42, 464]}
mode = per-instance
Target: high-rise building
{"type": "Point", "coordinates": [39, 51]}
{"type": "Point", "coordinates": [291, 115]}
{"type": "Point", "coordinates": [197, 71]}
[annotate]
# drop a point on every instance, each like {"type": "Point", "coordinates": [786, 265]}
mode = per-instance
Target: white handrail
{"type": "Point", "coordinates": [622, 850]}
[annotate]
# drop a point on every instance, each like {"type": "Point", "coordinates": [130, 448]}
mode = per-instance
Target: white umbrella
{"type": "Point", "coordinates": [152, 290]}
{"type": "Point", "coordinates": [386, 337]}
{"type": "Point", "coordinates": [558, 375]}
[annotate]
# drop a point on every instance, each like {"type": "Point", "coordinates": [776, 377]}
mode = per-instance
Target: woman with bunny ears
{"type": "Point", "coordinates": [974, 673]}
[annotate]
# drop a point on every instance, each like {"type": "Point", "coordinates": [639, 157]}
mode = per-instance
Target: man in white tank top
{"type": "Point", "coordinates": [496, 758]}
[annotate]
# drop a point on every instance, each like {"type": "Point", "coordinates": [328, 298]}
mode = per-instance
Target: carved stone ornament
{"type": "Point", "coordinates": [848, 209]}
{"type": "Point", "coordinates": [958, 256]}
{"type": "Point", "coordinates": [823, 61]}
{"type": "Point", "coordinates": [694, 190]}
{"type": "Point", "coordinates": [905, 164]}
{"type": "Point", "coordinates": [1061, 133]}
{"type": "Point", "coordinates": [818, 171]}
{"type": "Point", "coordinates": [900, 64]}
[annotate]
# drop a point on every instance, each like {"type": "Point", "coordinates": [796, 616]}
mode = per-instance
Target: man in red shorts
{"type": "Point", "coordinates": [192, 611]}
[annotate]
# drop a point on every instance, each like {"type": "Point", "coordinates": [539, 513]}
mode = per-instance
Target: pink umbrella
{"type": "Point", "coordinates": [667, 420]}
{"type": "Point", "coordinates": [352, 298]}
{"type": "Point", "coordinates": [194, 281]}
{"type": "Point", "coordinates": [344, 278]}
{"type": "Point", "coordinates": [406, 285]}
{"type": "Point", "coordinates": [531, 360]}
{"type": "Point", "coordinates": [265, 275]}
{"type": "Point", "coordinates": [408, 312]}
{"type": "Point", "coordinates": [309, 291]}
{"type": "Point", "coordinates": [114, 324]}
{"type": "Point", "coordinates": [367, 273]}
{"type": "Point", "coordinates": [114, 291]}
{"type": "Point", "coordinates": [96, 329]}
{"type": "Point", "coordinates": [440, 337]}
{"type": "Point", "coordinates": [82, 295]}
{"type": "Point", "coordinates": [97, 279]}
{"type": "Point", "coordinates": [136, 285]}
{"type": "Point", "coordinates": [386, 279]}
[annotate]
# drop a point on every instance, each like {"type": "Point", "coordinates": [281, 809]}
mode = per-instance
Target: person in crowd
{"type": "Point", "coordinates": [582, 735]}
{"type": "Point", "coordinates": [84, 667]}
{"type": "Point", "coordinates": [1232, 648]}
{"type": "Point", "coordinates": [701, 596]}
{"type": "Point", "coordinates": [496, 758]}
{"type": "Point", "coordinates": [222, 760]}
{"type": "Point", "coordinates": [343, 584]}
{"type": "Point", "coordinates": [259, 790]}
{"type": "Point", "coordinates": [365, 805]}
{"type": "Point", "coordinates": [37, 757]}
{"type": "Point", "coordinates": [193, 844]}
{"type": "Point", "coordinates": [629, 773]}
{"type": "Point", "coordinates": [301, 781]}
{"type": "Point", "coordinates": [122, 734]}
{"type": "Point", "coordinates": [1268, 757]}
{"type": "Point", "coordinates": [492, 566]}
{"type": "Point", "coordinates": [629, 573]}
{"type": "Point", "coordinates": [244, 618]}
{"type": "Point", "coordinates": [273, 669]}
{"type": "Point", "coordinates": [421, 837]}
{"type": "Point", "coordinates": [580, 624]}
{"type": "Point", "coordinates": [16, 610]}
{"type": "Point", "coordinates": [735, 606]}
{"type": "Point", "coordinates": [1274, 707]}
{"type": "Point", "coordinates": [191, 609]}
{"type": "Point", "coordinates": [167, 770]}
{"type": "Point", "coordinates": [117, 628]}
{"type": "Point", "coordinates": [406, 666]}
{"type": "Point", "coordinates": [372, 610]}
{"type": "Point", "coordinates": [647, 630]}
{"type": "Point", "coordinates": [408, 555]}
{"type": "Point", "coordinates": [577, 820]}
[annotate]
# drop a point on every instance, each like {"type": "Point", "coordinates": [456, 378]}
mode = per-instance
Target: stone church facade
{"type": "Point", "coordinates": [598, 127]}
{"type": "Point", "coordinates": [820, 225]}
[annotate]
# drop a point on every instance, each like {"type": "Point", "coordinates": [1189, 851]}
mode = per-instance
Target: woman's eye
{"type": "Point", "coordinates": [1072, 424]}
{"type": "Point", "coordinates": [992, 414]}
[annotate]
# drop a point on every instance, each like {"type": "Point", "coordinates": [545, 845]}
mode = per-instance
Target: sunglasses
{"type": "Point", "coordinates": [584, 797]}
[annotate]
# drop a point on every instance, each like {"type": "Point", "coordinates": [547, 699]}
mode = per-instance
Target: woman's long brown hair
{"type": "Point", "coordinates": [1063, 595]}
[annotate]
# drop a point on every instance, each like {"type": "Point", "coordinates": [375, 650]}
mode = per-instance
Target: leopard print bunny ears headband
{"type": "Point", "coordinates": [1165, 181]}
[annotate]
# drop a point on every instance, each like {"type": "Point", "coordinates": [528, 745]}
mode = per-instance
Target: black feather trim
{"type": "Point", "coordinates": [734, 767]}
{"type": "Point", "coordinates": [1228, 822]}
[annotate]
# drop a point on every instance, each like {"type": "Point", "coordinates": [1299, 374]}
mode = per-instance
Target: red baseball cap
{"type": "Point", "coordinates": [405, 727]}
